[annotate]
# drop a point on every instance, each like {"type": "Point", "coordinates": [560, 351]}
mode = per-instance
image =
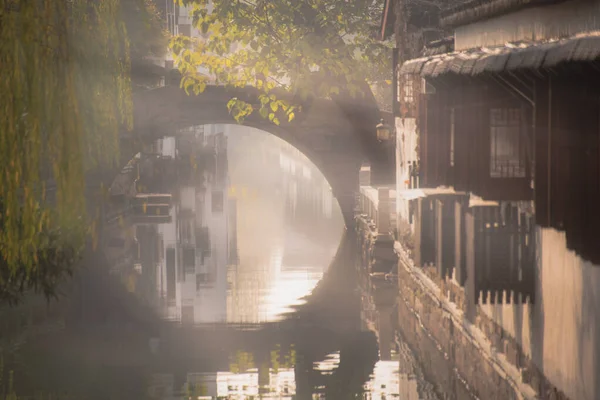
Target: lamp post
{"type": "Point", "coordinates": [383, 131]}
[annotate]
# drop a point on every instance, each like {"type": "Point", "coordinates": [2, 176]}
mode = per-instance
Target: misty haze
{"type": "Point", "coordinates": [300, 199]}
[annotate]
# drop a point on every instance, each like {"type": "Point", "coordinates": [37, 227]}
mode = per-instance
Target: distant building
{"type": "Point", "coordinates": [196, 243]}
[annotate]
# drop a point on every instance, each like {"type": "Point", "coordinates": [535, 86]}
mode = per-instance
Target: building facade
{"type": "Point", "coordinates": [197, 243]}
{"type": "Point", "coordinates": [503, 106]}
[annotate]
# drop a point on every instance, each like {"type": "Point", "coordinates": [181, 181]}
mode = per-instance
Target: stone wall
{"type": "Point", "coordinates": [462, 349]}
{"type": "Point", "coordinates": [427, 325]}
{"type": "Point", "coordinates": [448, 356]}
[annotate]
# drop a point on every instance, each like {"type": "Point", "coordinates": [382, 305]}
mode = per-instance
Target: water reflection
{"type": "Point", "coordinates": [222, 272]}
{"type": "Point", "coordinates": [217, 281]}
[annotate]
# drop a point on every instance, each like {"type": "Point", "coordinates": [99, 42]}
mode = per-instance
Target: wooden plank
{"type": "Point", "coordinates": [459, 243]}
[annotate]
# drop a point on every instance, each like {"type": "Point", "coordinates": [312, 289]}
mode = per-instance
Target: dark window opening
{"type": "Point", "coordinates": [204, 279]}
{"type": "Point", "coordinates": [170, 261]}
{"type": "Point", "coordinates": [189, 259]}
{"type": "Point", "coordinates": [217, 202]}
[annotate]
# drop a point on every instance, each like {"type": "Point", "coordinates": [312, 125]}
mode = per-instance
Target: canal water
{"type": "Point", "coordinates": [238, 282]}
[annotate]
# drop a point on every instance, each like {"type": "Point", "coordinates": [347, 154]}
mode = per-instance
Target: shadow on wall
{"type": "Point", "coordinates": [560, 332]}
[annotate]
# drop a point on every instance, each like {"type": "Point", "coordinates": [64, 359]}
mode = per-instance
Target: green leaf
{"type": "Point", "coordinates": [264, 112]}
{"type": "Point", "coordinates": [271, 117]}
{"type": "Point", "coordinates": [204, 27]}
{"type": "Point", "coordinates": [291, 116]}
{"type": "Point", "coordinates": [231, 103]}
{"type": "Point", "coordinates": [274, 106]}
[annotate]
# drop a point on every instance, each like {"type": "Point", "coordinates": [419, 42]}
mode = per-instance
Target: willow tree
{"type": "Point", "coordinates": [320, 48]}
{"type": "Point", "coordinates": [148, 38]}
{"type": "Point", "coordinates": [64, 96]}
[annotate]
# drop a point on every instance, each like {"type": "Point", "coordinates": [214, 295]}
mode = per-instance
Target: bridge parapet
{"type": "Point", "coordinates": [322, 131]}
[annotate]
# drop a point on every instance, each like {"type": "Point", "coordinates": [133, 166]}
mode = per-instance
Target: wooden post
{"type": "Point", "coordinates": [471, 290]}
{"type": "Point", "coordinates": [542, 122]}
{"type": "Point", "coordinates": [438, 212]}
{"type": "Point", "coordinates": [418, 231]}
{"type": "Point", "coordinates": [459, 243]}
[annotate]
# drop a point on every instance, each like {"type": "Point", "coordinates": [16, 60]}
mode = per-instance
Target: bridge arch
{"type": "Point", "coordinates": [323, 132]}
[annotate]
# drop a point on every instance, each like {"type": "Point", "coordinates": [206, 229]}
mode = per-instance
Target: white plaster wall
{"type": "Point", "coordinates": [406, 145]}
{"type": "Point", "coordinates": [188, 198]}
{"type": "Point", "coordinates": [537, 23]}
{"type": "Point", "coordinates": [211, 302]}
{"type": "Point", "coordinates": [561, 331]}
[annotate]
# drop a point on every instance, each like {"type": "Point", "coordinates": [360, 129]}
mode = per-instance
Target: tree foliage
{"type": "Point", "coordinates": [321, 48]}
{"type": "Point", "coordinates": [148, 39]}
{"type": "Point", "coordinates": [145, 30]}
{"type": "Point", "coordinates": [65, 95]}
{"type": "Point", "coordinates": [54, 259]}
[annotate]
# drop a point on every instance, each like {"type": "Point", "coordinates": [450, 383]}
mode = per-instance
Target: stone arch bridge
{"type": "Point", "coordinates": [336, 135]}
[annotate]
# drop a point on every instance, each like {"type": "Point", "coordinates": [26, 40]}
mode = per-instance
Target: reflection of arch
{"type": "Point", "coordinates": [328, 322]}
{"type": "Point", "coordinates": [322, 132]}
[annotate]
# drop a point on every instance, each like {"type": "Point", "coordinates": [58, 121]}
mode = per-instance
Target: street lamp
{"type": "Point", "coordinates": [383, 131]}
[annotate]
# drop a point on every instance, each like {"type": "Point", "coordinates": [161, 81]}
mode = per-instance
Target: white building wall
{"type": "Point", "coordinates": [211, 302]}
{"type": "Point", "coordinates": [168, 232]}
{"type": "Point", "coordinates": [561, 331]}
{"type": "Point", "coordinates": [188, 198]}
{"type": "Point", "coordinates": [406, 151]}
{"type": "Point", "coordinates": [553, 21]}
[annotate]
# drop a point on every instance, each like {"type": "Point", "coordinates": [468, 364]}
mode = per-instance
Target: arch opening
{"type": "Point", "coordinates": [289, 220]}
{"type": "Point", "coordinates": [322, 131]}
{"type": "Point", "coordinates": [254, 224]}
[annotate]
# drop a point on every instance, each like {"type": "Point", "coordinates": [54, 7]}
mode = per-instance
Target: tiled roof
{"type": "Point", "coordinates": [512, 56]}
{"type": "Point", "coordinates": [469, 11]}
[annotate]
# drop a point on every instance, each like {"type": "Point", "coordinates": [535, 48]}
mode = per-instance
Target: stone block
{"type": "Point", "coordinates": [511, 352]}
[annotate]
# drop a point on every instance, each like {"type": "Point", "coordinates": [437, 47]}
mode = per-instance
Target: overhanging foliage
{"type": "Point", "coordinates": [319, 48]}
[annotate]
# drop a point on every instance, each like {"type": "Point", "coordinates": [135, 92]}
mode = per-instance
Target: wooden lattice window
{"type": "Point", "coordinates": [406, 93]}
{"type": "Point", "coordinates": [409, 90]}
{"type": "Point", "coordinates": [508, 157]}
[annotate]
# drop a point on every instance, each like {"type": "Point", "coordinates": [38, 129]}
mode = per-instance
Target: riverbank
{"type": "Point", "coordinates": [462, 359]}
{"type": "Point", "coordinates": [453, 351]}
